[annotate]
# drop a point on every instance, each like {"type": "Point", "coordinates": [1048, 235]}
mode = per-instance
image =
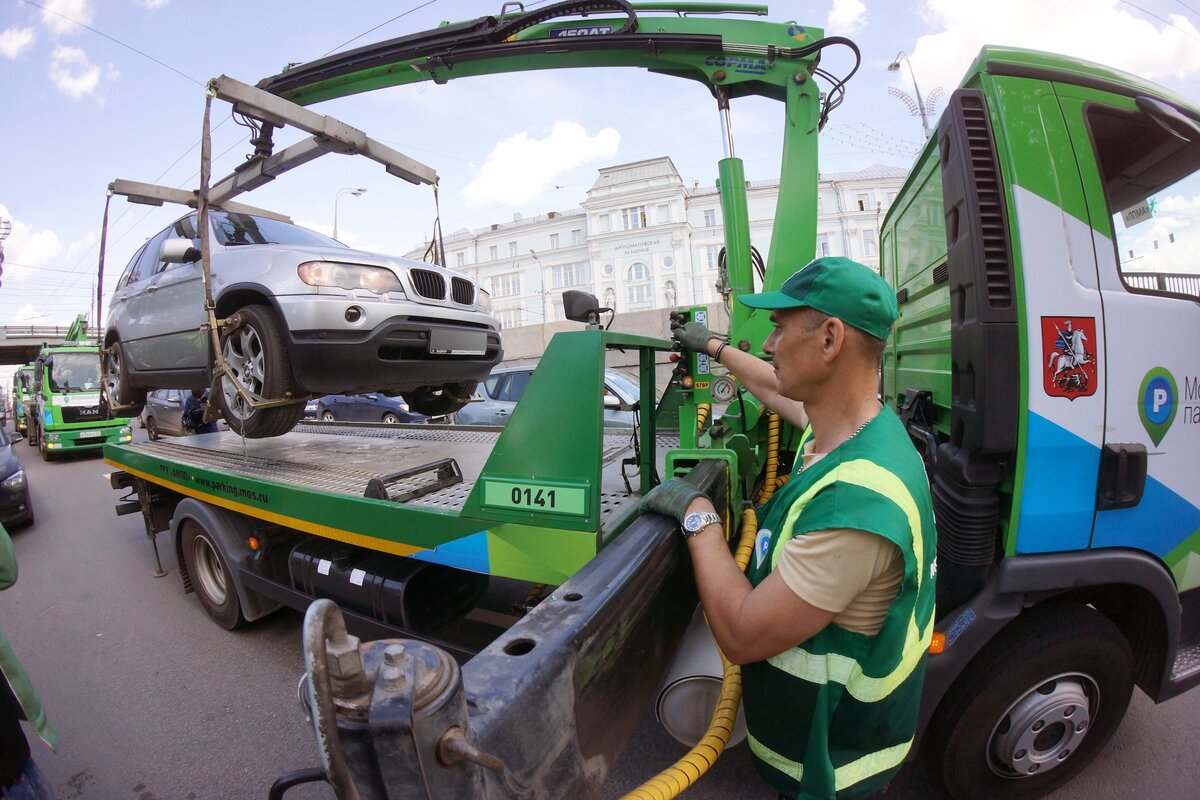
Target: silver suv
{"type": "Point", "coordinates": [311, 317]}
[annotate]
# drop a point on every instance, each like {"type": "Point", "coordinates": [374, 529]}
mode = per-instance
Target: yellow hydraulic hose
{"type": "Point", "coordinates": [687, 770]}
{"type": "Point", "coordinates": [678, 777]}
{"type": "Point", "coordinates": [702, 414]}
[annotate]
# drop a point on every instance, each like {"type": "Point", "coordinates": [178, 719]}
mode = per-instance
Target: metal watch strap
{"type": "Point", "coordinates": [706, 518]}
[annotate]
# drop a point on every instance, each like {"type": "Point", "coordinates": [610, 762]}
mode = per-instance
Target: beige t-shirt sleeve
{"type": "Point", "coordinates": [853, 573]}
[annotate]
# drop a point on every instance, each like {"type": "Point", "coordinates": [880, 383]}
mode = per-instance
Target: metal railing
{"type": "Point", "coordinates": [1173, 282]}
{"type": "Point", "coordinates": [37, 331]}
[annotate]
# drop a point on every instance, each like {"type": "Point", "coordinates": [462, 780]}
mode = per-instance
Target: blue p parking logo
{"type": "Point", "coordinates": [1159, 401]}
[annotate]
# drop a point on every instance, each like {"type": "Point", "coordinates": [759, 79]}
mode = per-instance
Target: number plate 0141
{"type": "Point", "coordinates": [536, 497]}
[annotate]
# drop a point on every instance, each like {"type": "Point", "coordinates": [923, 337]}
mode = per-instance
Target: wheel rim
{"type": "Point", "coordinates": [1042, 729]}
{"type": "Point", "coordinates": [327, 416]}
{"type": "Point", "coordinates": [243, 352]}
{"type": "Point", "coordinates": [391, 419]}
{"type": "Point", "coordinates": [112, 374]}
{"type": "Point", "coordinates": [209, 574]}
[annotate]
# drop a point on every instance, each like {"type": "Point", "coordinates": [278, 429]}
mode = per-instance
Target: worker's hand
{"type": "Point", "coordinates": [670, 498]}
{"type": "Point", "coordinates": [694, 336]}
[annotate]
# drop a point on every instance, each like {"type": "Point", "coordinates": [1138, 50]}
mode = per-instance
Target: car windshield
{"type": "Point", "coordinates": [623, 382]}
{"type": "Point", "coordinates": [238, 229]}
{"type": "Point", "coordinates": [75, 372]}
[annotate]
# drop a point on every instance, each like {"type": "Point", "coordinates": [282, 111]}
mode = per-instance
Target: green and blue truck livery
{"type": "Point", "coordinates": [66, 410]}
{"type": "Point", "coordinates": [1042, 362]}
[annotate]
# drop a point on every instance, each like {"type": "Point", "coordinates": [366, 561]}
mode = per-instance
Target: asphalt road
{"type": "Point", "coordinates": [154, 702]}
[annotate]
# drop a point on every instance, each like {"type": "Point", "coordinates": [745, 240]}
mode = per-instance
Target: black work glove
{"type": "Point", "coordinates": [694, 336]}
{"type": "Point", "coordinates": [670, 498]}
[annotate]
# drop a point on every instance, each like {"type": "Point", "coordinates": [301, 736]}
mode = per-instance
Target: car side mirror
{"type": "Point", "coordinates": [611, 401]}
{"type": "Point", "coordinates": [15, 436]}
{"type": "Point", "coordinates": [178, 251]}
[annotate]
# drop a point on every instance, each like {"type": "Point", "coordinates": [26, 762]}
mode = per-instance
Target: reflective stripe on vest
{"type": "Point", "coordinates": [844, 776]}
{"type": "Point", "coordinates": [822, 669]}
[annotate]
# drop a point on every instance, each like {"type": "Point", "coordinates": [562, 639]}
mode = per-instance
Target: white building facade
{"type": "Point", "coordinates": [642, 240]}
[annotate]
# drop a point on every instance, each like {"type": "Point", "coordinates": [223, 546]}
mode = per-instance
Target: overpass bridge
{"type": "Point", "coordinates": [19, 344]}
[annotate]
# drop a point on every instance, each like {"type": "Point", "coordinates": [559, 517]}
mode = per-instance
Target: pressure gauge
{"type": "Point", "coordinates": [723, 388]}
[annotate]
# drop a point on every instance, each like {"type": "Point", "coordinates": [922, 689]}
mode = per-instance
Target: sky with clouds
{"type": "Point", "coordinates": [101, 90]}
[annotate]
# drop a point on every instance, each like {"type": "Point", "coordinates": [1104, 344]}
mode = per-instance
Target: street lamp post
{"type": "Point", "coordinates": [348, 190]}
{"type": "Point", "coordinates": [895, 66]}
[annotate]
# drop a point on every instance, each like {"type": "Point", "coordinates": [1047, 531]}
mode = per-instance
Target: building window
{"type": "Point", "coordinates": [633, 218]}
{"type": "Point", "coordinates": [637, 272]}
{"type": "Point", "coordinates": [509, 317]}
{"type": "Point", "coordinates": [868, 241]}
{"type": "Point", "coordinates": [577, 236]}
{"type": "Point", "coordinates": [638, 290]}
{"type": "Point", "coordinates": [605, 223]}
{"type": "Point", "coordinates": [820, 204]}
{"type": "Point", "coordinates": [864, 200]}
{"type": "Point", "coordinates": [664, 214]}
{"type": "Point", "coordinates": [568, 275]}
{"type": "Point", "coordinates": [506, 285]}
{"type": "Point", "coordinates": [891, 198]}
{"type": "Point", "coordinates": [554, 241]}
{"type": "Point", "coordinates": [712, 256]}
{"type": "Point", "coordinates": [460, 259]}
{"type": "Point", "coordinates": [493, 254]}
{"type": "Point", "coordinates": [822, 245]}
{"type": "Point", "coordinates": [512, 249]}
{"type": "Point", "coordinates": [710, 218]}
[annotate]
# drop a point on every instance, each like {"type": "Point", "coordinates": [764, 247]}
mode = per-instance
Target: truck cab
{"type": "Point", "coordinates": [21, 387]}
{"type": "Point", "coordinates": [1047, 297]}
{"type": "Point", "coordinates": [67, 411]}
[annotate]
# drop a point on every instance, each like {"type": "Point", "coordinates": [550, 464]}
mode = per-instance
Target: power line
{"type": "Point", "coordinates": [380, 25]}
{"type": "Point", "coordinates": [114, 40]}
{"type": "Point", "coordinates": [1160, 19]}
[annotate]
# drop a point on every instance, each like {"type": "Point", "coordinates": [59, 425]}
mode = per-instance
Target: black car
{"type": "Point", "coordinates": [370, 407]}
{"type": "Point", "coordinates": [15, 506]}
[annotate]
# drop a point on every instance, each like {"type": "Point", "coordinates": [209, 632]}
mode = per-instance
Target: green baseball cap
{"type": "Point", "coordinates": [839, 287]}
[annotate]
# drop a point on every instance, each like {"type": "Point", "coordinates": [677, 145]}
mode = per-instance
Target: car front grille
{"type": "Point", "coordinates": [428, 284]}
{"type": "Point", "coordinates": [462, 291]}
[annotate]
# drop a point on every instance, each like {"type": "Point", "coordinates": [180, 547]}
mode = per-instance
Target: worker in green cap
{"type": "Point", "coordinates": [834, 617]}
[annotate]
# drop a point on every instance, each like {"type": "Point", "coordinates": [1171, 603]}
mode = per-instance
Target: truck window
{"type": "Point", "coordinates": [74, 372]}
{"type": "Point", "coordinates": [1152, 185]}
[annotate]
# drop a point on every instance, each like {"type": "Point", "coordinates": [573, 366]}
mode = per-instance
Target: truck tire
{"type": "Point", "coordinates": [1035, 707]}
{"type": "Point", "coordinates": [210, 576]}
{"type": "Point", "coordinates": [257, 353]}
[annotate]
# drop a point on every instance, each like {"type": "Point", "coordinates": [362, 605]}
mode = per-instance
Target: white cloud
{"type": "Point", "coordinates": [521, 167]}
{"type": "Point", "coordinates": [60, 16]}
{"type": "Point", "coordinates": [152, 5]}
{"type": "Point", "coordinates": [15, 41]}
{"type": "Point", "coordinates": [73, 73]}
{"type": "Point", "coordinates": [1080, 28]}
{"type": "Point", "coordinates": [846, 16]}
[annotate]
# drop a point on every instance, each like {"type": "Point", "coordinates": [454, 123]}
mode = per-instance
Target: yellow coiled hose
{"type": "Point", "coordinates": [678, 777]}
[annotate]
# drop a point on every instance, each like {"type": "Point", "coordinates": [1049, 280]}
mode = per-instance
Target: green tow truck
{"type": "Point", "coordinates": [66, 411]}
{"type": "Point", "coordinates": [22, 386]}
{"type": "Point", "coordinates": [526, 613]}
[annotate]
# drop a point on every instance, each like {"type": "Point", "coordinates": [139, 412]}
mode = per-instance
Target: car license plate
{"type": "Point", "coordinates": [449, 342]}
{"type": "Point", "coordinates": [90, 434]}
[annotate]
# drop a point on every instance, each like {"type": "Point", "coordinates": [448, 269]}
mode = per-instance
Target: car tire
{"type": "Point", "coordinates": [151, 429]}
{"type": "Point", "coordinates": [434, 401]}
{"type": "Point", "coordinates": [1035, 707]}
{"type": "Point", "coordinates": [123, 400]}
{"type": "Point", "coordinates": [256, 352]}
{"type": "Point", "coordinates": [327, 416]}
{"type": "Point", "coordinates": [210, 576]}
{"type": "Point", "coordinates": [390, 419]}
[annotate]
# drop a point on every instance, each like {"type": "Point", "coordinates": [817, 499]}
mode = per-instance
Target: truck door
{"type": "Point", "coordinates": [1140, 162]}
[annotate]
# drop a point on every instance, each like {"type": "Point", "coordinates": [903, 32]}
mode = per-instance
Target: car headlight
{"type": "Point", "coordinates": [14, 481]}
{"type": "Point", "coordinates": [484, 299]}
{"type": "Point", "coordinates": [349, 276]}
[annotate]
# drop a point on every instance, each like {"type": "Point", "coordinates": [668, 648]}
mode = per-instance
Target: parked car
{"type": "Point", "coordinates": [163, 414]}
{"type": "Point", "coordinates": [370, 407]}
{"type": "Point", "coordinates": [309, 316]}
{"type": "Point", "coordinates": [497, 396]}
{"type": "Point", "coordinates": [16, 507]}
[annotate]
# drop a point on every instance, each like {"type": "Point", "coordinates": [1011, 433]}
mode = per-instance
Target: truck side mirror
{"type": "Point", "coordinates": [581, 307]}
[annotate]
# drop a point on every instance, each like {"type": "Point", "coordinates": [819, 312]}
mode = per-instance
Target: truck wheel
{"type": "Point", "coordinates": [122, 397]}
{"type": "Point", "coordinates": [1035, 707]}
{"type": "Point", "coordinates": [210, 576]}
{"type": "Point", "coordinates": [434, 401]}
{"type": "Point", "coordinates": [47, 456]}
{"type": "Point", "coordinates": [257, 354]}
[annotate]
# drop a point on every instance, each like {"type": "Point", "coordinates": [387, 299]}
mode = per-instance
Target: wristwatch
{"type": "Point", "coordinates": [694, 523]}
